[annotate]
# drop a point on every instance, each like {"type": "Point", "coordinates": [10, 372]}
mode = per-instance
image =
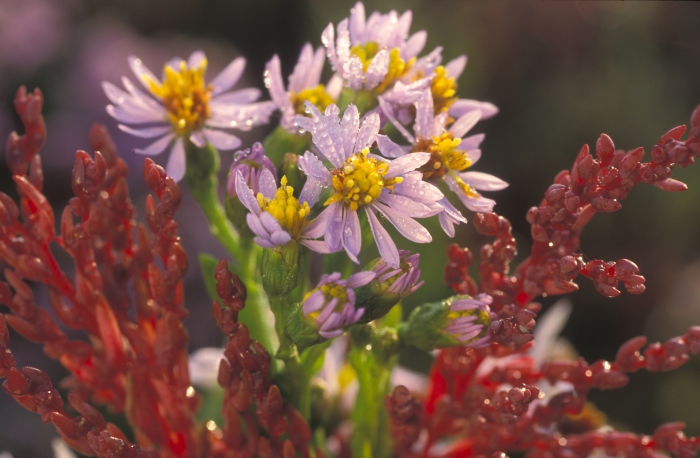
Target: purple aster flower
{"type": "Point", "coordinates": [304, 84]}
{"type": "Point", "coordinates": [468, 318]}
{"type": "Point", "coordinates": [450, 155]}
{"type": "Point", "coordinates": [187, 106]}
{"type": "Point", "coordinates": [250, 163]}
{"type": "Point", "coordinates": [276, 216]}
{"type": "Point", "coordinates": [362, 180]}
{"type": "Point", "coordinates": [400, 281]}
{"type": "Point", "coordinates": [372, 53]}
{"type": "Point", "coordinates": [332, 303]}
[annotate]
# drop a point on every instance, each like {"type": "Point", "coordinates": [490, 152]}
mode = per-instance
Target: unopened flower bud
{"type": "Point", "coordinates": [279, 268]}
{"type": "Point", "coordinates": [459, 320]}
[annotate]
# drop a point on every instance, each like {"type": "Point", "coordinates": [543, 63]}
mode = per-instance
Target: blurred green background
{"type": "Point", "coordinates": [561, 73]}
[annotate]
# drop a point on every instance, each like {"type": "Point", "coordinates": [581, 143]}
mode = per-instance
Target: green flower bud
{"type": "Point", "coordinates": [279, 268]}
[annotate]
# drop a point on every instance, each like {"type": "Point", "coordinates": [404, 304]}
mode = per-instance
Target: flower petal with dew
{"type": "Point", "coordinates": [304, 84]}
{"type": "Point", "coordinates": [250, 163]}
{"type": "Point", "coordinates": [331, 305]}
{"type": "Point", "coordinates": [468, 318]}
{"type": "Point", "coordinates": [372, 53]}
{"type": "Point", "coordinates": [187, 106]}
{"type": "Point", "coordinates": [276, 216]}
{"type": "Point", "coordinates": [451, 154]}
{"type": "Point", "coordinates": [359, 179]}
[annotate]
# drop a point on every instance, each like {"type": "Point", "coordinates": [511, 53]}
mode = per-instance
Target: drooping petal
{"type": "Point", "coordinates": [317, 227]}
{"type": "Point", "coordinates": [389, 112]}
{"type": "Point", "coordinates": [156, 147]}
{"type": "Point", "coordinates": [387, 247]}
{"type": "Point", "coordinates": [334, 226]}
{"type": "Point", "coordinates": [388, 148]}
{"type": "Point", "coordinates": [352, 235]}
{"type": "Point", "coordinates": [221, 140]}
{"type": "Point", "coordinates": [406, 225]}
{"type": "Point", "coordinates": [198, 139]}
{"type": "Point", "coordinates": [176, 162]}
{"type": "Point", "coordinates": [148, 132]}
{"type": "Point", "coordinates": [245, 194]}
{"type": "Point", "coordinates": [257, 227]}
{"type": "Point", "coordinates": [228, 77]}
{"type": "Point", "coordinates": [278, 236]}
{"type": "Point", "coordinates": [407, 206]}
{"type": "Point", "coordinates": [319, 246]}
{"type": "Point", "coordinates": [134, 117]}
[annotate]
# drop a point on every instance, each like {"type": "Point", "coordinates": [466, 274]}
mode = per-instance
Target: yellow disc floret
{"type": "Point", "coordinates": [397, 66]}
{"type": "Point", "coordinates": [443, 89]}
{"type": "Point", "coordinates": [316, 95]}
{"type": "Point", "coordinates": [361, 181]}
{"type": "Point", "coordinates": [444, 157]}
{"type": "Point", "coordinates": [330, 291]}
{"type": "Point", "coordinates": [184, 95]}
{"type": "Point", "coordinates": [286, 209]}
{"type": "Point", "coordinates": [481, 315]}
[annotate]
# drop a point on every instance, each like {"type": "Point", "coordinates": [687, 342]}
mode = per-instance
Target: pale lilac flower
{"type": "Point", "coordinates": [183, 105]}
{"type": "Point", "coordinates": [468, 318]}
{"type": "Point", "coordinates": [401, 281]}
{"type": "Point", "coordinates": [304, 84]}
{"type": "Point", "coordinates": [359, 179]}
{"type": "Point", "coordinates": [276, 217]}
{"type": "Point", "coordinates": [331, 305]}
{"type": "Point", "coordinates": [250, 162]}
{"type": "Point", "coordinates": [451, 154]}
{"type": "Point", "coordinates": [371, 53]}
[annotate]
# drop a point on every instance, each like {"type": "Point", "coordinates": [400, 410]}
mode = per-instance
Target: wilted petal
{"type": "Point", "coordinates": [221, 140]}
{"type": "Point", "coordinates": [176, 162]}
{"type": "Point", "coordinates": [387, 247]}
{"type": "Point", "coordinates": [156, 147]}
{"type": "Point", "coordinates": [148, 132]}
{"type": "Point", "coordinates": [388, 148]}
{"type": "Point", "coordinates": [245, 194]}
{"type": "Point", "coordinates": [352, 235]}
{"type": "Point", "coordinates": [314, 168]}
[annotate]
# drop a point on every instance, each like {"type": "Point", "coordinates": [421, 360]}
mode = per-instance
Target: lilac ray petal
{"type": "Point", "coordinates": [328, 40]}
{"type": "Point", "coordinates": [343, 43]}
{"type": "Point", "coordinates": [377, 69]}
{"type": "Point", "coordinates": [239, 97]}
{"type": "Point", "coordinates": [414, 44]}
{"type": "Point", "coordinates": [303, 123]}
{"type": "Point", "coordinates": [466, 304]}
{"type": "Point", "coordinates": [406, 163]}
{"type": "Point", "coordinates": [313, 303]}
{"type": "Point", "coordinates": [472, 142]}
{"type": "Point", "coordinates": [388, 111]}
{"type": "Point", "coordinates": [195, 59]}
{"type": "Point", "coordinates": [256, 226]}
{"type": "Point", "coordinates": [131, 117]}
{"type": "Point", "coordinates": [358, 314]}
{"type": "Point", "coordinates": [353, 72]}
{"type": "Point", "coordinates": [429, 63]}
{"type": "Point", "coordinates": [334, 226]}
{"type": "Point", "coordinates": [483, 181]}
{"type": "Point", "coordinates": [319, 246]}
{"type": "Point", "coordinates": [297, 80]}
{"type": "Point", "coordinates": [462, 106]}
{"type": "Point", "coordinates": [352, 235]}
{"type": "Point", "coordinates": [121, 98]}
{"type": "Point", "coordinates": [265, 243]}
{"type": "Point", "coordinates": [348, 131]}
{"type": "Point", "coordinates": [357, 23]}
{"type": "Point", "coordinates": [414, 187]}
{"type": "Point", "coordinates": [477, 204]}
{"type": "Point", "coordinates": [141, 71]}
{"type": "Point", "coordinates": [407, 226]}
{"type": "Point", "coordinates": [221, 140]}
{"type": "Point", "coordinates": [280, 238]}
{"type": "Point", "coordinates": [455, 67]}
{"type": "Point", "coordinates": [270, 224]}
{"type": "Point", "coordinates": [368, 132]}
{"type": "Point", "coordinates": [198, 139]}
{"type": "Point", "coordinates": [317, 227]}
{"type": "Point", "coordinates": [313, 72]}
{"type": "Point", "coordinates": [245, 194]}
{"type": "Point", "coordinates": [267, 184]}
{"type": "Point", "coordinates": [140, 95]}
{"type": "Point", "coordinates": [331, 334]}
{"type": "Point", "coordinates": [462, 125]}
{"type": "Point", "coordinates": [228, 77]}
{"type": "Point", "coordinates": [148, 132]}
{"type": "Point", "coordinates": [328, 309]}
{"type": "Point", "coordinates": [314, 168]}
{"type": "Point", "coordinates": [387, 247]}
{"type": "Point", "coordinates": [389, 148]}
{"type": "Point", "coordinates": [325, 132]}
{"type": "Point", "coordinates": [310, 192]}
{"type": "Point", "coordinates": [156, 147]}
{"type": "Point", "coordinates": [274, 82]}
{"type": "Point", "coordinates": [407, 206]}
{"type": "Point", "coordinates": [424, 115]}
{"type": "Point", "coordinates": [361, 278]}
{"type": "Point", "coordinates": [402, 28]}
{"type": "Point", "coordinates": [334, 86]}
{"type": "Point", "coordinates": [334, 321]}
{"type": "Point", "coordinates": [176, 162]}
{"type": "Point", "coordinates": [174, 63]}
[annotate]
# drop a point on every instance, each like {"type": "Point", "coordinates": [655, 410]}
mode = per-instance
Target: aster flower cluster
{"type": "Point", "coordinates": [311, 339]}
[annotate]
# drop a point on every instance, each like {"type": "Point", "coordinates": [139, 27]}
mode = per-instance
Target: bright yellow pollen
{"type": "Point", "coordinates": [184, 95]}
{"type": "Point", "coordinates": [443, 89]}
{"type": "Point", "coordinates": [482, 316]}
{"type": "Point", "coordinates": [361, 181]}
{"type": "Point", "coordinates": [397, 66]}
{"type": "Point", "coordinates": [286, 209]}
{"type": "Point", "coordinates": [464, 187]}
{"type": "Point", "coordinates": [445, 156]}
{"type": "Point", "coordinates": [317, 96]}
{"type": "Point", "coordinates": [330, 291]}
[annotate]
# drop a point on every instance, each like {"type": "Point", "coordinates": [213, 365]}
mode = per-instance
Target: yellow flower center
{"type": "Point", "coordinates": [443, 89]}
{"type": "Point", "coordinates": [286, 209]}
{"type": "Point", "coordinates": [184, 95]}
{"type": "Point", "coordinates": [317, 96]}
{"type": "Point", "coordinates": [482, 316]}
{"type": "Point", "coordinates": [330, 291]}
{"type": "Point", "coordinates": [444, 156]}
{"type": "Point", "coordinates": [397, 66]}
{"type": "Point", "coordinates": [361, 181]}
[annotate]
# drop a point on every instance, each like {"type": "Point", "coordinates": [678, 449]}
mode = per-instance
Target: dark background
{"type": "Point", "coordinates": [561, 74]}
